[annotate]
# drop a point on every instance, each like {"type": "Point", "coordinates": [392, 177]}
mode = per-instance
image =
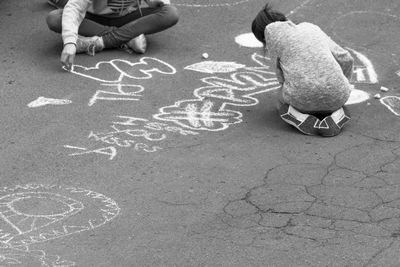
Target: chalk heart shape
{"type": "Point", "coordinates": [36, 213]}
{"type": "Point", "coordinates": [103, 71]}
{"type": "Point", "coordinates": [392, 103]}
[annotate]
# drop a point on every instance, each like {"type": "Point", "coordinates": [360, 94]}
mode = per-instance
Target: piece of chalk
{"type": "Point", "coordinates": [377, 96]}
{"type": "Point", "coordinates": [384, 89]}
{"type": "Point", "coordinates": [204, 55]}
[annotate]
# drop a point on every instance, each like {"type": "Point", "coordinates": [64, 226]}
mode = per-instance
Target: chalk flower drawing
{"type": "Point", "coordinates": [392, 103]}
{"type": "Point", "coordinates": [59, 211]}
{"type": "Point", "coordinates": [215, 66]}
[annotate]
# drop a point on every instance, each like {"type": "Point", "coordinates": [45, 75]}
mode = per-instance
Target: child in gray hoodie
{"type": "Point", "coordinates": [313, 70]}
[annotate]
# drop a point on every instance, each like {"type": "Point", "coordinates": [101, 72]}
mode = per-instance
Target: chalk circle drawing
{"type": "Point", "coordinates": [392, 103]}
{"type": "Point", "coordinates": [208, 3]}
{"type": "Point", "coordinates": [36, 213]}
{"type": "Point", "coordinates": [215, 66]}
{"type": "Point", "coordinates": [43, 101]}
{"type": "Point", "coordinates": [364, 28]}
{"type": "Point", "coordinates": [248, 40]}
{"type": "Point", "coordinates": [115, 70]}
{"type": "Point", "coordinates": [24, 256]}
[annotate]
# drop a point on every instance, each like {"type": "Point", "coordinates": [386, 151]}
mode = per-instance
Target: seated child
{"type": "Point", "coordinates": [313, 70]}
{"type": "Point", "coordinates": [106, 24]}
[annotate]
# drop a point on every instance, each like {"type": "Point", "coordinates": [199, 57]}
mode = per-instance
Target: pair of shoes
{"type": "Point", "coordinates": [89, 45]}
{"type": "Point", "coordinates": [137, 45]}
{"type": "Point", "coordinates": [311, 125]}
{"type": "Point", "coordinates": [333, 124]}
{"type": "Point", "coordinates": [305, 123]}
{"type": "Point", "coordinates": [57, 3]}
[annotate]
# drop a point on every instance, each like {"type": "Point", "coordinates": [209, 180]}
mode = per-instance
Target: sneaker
{"type": "Point", "coordinates": [57, 3]}
{"type": "Point", "coordinates": [333, 124]}
{"type": "Point", "coordinates": [89, 45]}
{"type": "Point", "coordinates": [138, 44]}
{"type": "Point", "coordinates": [305, 123]}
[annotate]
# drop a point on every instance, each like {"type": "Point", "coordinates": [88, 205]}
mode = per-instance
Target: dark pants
{"type": "Point", "coordinates": [118, 30]}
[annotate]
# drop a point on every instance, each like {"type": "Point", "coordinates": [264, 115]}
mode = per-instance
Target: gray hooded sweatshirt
{"type": "Point", "coordinates": [314, 71]}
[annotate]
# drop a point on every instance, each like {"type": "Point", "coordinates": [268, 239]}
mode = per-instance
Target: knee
{"type": "Point", "coordinates": [171, 13]}
{"type": "Point", "coordinates": [53, 20]}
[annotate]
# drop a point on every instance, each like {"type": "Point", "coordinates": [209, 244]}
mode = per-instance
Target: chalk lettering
{"type": "Point", "coordinates": [131, 95]}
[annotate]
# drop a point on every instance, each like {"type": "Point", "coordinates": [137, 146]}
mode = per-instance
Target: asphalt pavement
{"type": "Point", "coordinates": [178, 158]}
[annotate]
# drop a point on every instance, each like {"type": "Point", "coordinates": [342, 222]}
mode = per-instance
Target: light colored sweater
{"type": "Point", "coordinates": [314, 71]}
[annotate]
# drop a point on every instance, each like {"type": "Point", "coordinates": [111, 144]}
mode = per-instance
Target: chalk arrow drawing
{"type": "Point", "coordinates": [43, 101]}
{"type": "Point", "coordinates": [392, 103]}
{"type": "Point", "coordinates": [215, 66]}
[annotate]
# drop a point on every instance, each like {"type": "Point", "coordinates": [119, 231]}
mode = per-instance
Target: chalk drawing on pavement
{"type": "Point", "coordinates": [215, 66]}
{"type": "Point", "coordinates": [364, 71]}
{"type": "Point", "coordinates": [36, 213]}
{"type": "Point", "coordinates": [212, 107]}
{"type": "Point", "coordinates": [357, 96]}
{"type": "Point", "coordinates": [114, 73]}
{"type": "Point", "coordinates": [392, 103]}
{"type": "Point", "coordinates": [248, 40]}
{"type": "Point", "coordinates": [109, 151]}
{"type": "Point", "coordinates": [209, 110]}
{"type": "Point", "coordinates": [298, 7]}
{"type": "Point", "coordinates": [24, 256]}
{"type": "Point", "coordinates": [124, 92]}
{"type": "Point", "coordinates": [398, 73]}
{"type": "Point", "coordinates": [115, 70]}
{"type": "Point", "coordinates": [43, 101]}
{"type": "Point", "coordinates": [208, 3]}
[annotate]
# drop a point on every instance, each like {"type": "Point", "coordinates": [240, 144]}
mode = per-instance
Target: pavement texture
{"type": "Point", "coordinates": [173, 159]}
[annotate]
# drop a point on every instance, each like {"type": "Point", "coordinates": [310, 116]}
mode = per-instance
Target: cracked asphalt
{"type": "Point", "coordinates": [249, 192]}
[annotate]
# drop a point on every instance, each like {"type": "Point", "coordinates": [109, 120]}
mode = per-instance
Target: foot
{"type": "Point", "coordinates": [89, 45]}
{"type": "Point", "coordinates": [333, 124]}
{"type": "Point", "coordinates": [138, 44]}
{"type": "Point", "coordinates": [305, 123]}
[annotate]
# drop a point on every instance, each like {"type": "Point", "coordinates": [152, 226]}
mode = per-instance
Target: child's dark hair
{"type": "Point", "coordinates": [266, 16]}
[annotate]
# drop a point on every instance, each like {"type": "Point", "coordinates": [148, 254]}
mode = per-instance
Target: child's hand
{"type": "Point", "coordinates": [68, 56]}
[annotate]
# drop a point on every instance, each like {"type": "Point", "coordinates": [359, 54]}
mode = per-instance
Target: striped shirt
{"type": "Point", "coordinates": [120, 7]}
